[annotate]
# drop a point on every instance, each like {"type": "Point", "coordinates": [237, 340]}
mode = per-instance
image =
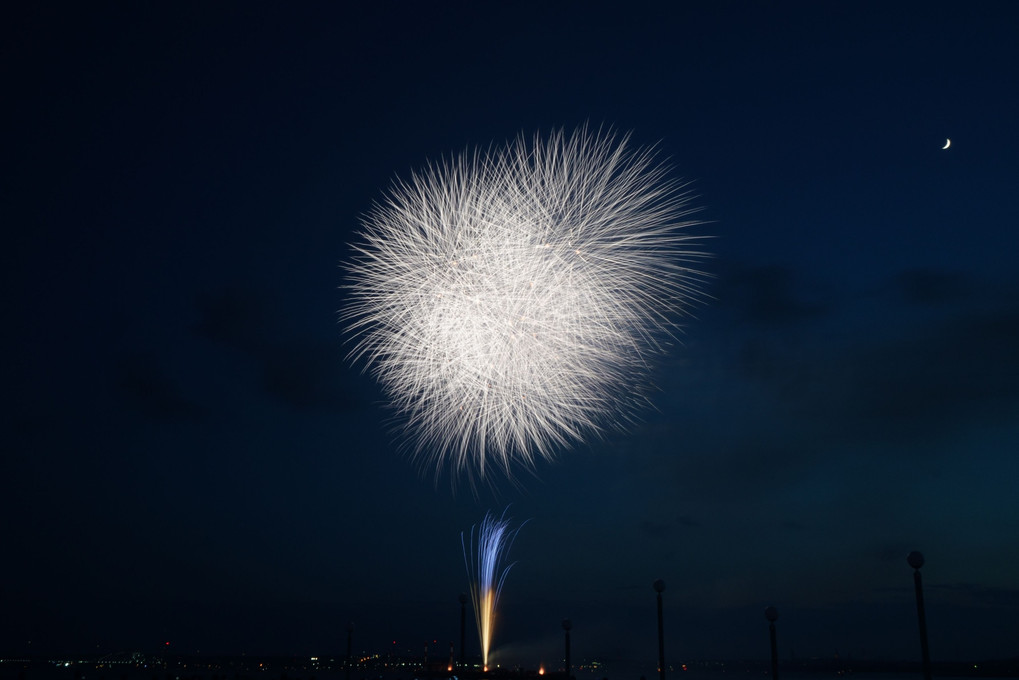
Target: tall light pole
{"type": "Point", "coordinates": [659, 587]}
{"type": "Point", "coordinates": [463, 626]}
{"type": "Point", "coordinates": [566, 628]}
{"type": "Point", "coordinates": [772, 615]}
{"type": "Point", "coordinates": [350, 640]}
{"type": "Point", "coordinates": [916, 560]}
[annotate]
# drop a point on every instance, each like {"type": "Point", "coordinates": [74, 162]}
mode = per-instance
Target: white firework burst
{"type": "Point", "coordinates": [510, 301]}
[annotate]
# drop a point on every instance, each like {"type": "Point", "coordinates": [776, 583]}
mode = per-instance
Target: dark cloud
{"type": "Point", "coordinates": [302, 373]}
{"type": "Point", "coordinates": [743, 464]}
{"type": "Point", "coordinates": [144, 385]}
{"type": "Point", "coordinates": [891, 553]}
{"type": "Point", "coordinates": [796, 400]}
{"type": "Point", "coordinates": [306, 376]}
{"type": "Point", "coordinates": [772, 358]}
{"type": "Point", "coordinates": [939, 373]}
{"type": "Point", "coordinates": [919, 380]}
{"type": "Point", "coordinates": [932, 286]}
{"type": "Point", "coordinates": [657, 529]}
{"type": "Point", "coordinates": [979, 595]}
{"type": "Point", "coordinates": [766, 295]}
{"type": "Point", "coordinates": [233, 316]}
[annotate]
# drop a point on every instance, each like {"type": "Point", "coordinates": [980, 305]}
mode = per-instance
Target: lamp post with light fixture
{"type": "Point", "coordinates": [659, 587]}
{"type": "Point", "coordinates": [916, 561]}
{"type": "Point", "coordinates": [772, 615]}
{"type": "Point", "coordinates": [567, 625]}
{"type": "Point", "coordinates": [463, 627]}
{"type": "Point", "coordinates": [350, 640]}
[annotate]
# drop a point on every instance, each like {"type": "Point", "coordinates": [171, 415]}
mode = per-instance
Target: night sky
{"type": "Point", "coordinates": [189, 457]}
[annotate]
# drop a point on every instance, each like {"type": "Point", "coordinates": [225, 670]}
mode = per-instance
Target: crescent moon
{"type": "Point", "coordinates": [948, 143]}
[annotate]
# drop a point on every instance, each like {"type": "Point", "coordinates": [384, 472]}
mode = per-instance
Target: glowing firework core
{"type": "Point", "coordinates": [482, 562]}
{"type": "Point", "coordinates": [508, 301]}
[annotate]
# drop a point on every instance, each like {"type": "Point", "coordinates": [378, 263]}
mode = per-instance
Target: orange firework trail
{"type": "Point", "coordinates": [483, 571]}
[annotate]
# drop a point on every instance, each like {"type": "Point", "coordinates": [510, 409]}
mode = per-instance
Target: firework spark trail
{"type": "Point", "coordinates": [485, 579]}
{"type": "Point", "coordinates": [510, 301]}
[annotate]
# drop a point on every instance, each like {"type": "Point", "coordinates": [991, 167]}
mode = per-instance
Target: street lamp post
{"type": "Point", "coordinates": [772, 615]}
{"type": "Point", "coordinates": [916, 561]}
{"type": "Point", "coordinates": [350, 641]}
{"type": "Point", "coordinates": [659, 587]}
{"type": "Point", "coordinates": [463, 626]}
{"type": "Point", "coordinates": [566, 629]}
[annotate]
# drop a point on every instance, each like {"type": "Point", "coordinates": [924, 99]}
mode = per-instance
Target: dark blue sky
{"type": "Point", "coordinates": [189, 457]}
